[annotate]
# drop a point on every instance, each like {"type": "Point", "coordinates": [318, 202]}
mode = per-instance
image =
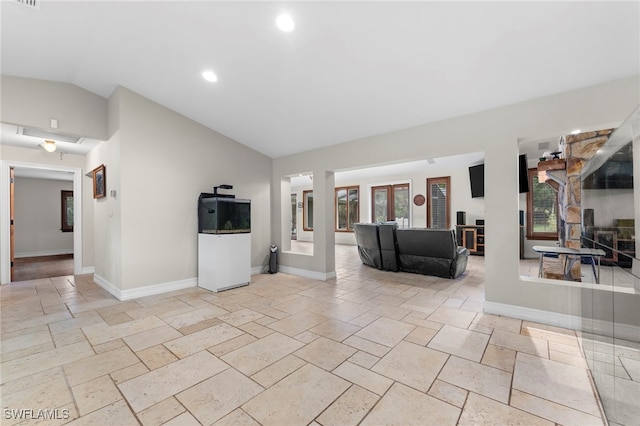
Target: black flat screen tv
{"type": "Point", "coordinates": [523, 175]}
{"type": "Point", "coordinates": [476, 178]}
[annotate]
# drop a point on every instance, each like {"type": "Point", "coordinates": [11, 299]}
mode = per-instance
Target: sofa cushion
{"type": "Point", "coordinates": [368, 244]}
{"type": "Point", "coordinates": [388, 251]}
{"type": "Point", "coordinates": [438, 243]}
{"type": "Point", "coordinates": [430, 252]}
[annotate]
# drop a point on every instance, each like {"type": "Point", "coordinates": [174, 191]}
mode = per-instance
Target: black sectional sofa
{"type": "Point", "coordinates": [418, 250]}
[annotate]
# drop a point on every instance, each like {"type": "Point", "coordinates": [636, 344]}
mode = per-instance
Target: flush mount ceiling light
{"type": "Point", "coordinates": [49, 145]}
{"type": "Point", "coordinates": [285, 23]}
{"type": "Point", "coordinates": [48, 134]}
{"type": "Point", "coordinates": [210, 76]}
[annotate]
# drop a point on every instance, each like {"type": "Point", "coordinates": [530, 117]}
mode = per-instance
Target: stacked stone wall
{"type": "Point", "coordinates": [578, 150]}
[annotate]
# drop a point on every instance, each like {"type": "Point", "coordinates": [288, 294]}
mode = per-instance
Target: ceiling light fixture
{"type": "Point", "coordinates": [210, 76]}
{"type": "Point", "coordinates": [49, 145]}
{"type": "Point", "coordinates": [285, 23]}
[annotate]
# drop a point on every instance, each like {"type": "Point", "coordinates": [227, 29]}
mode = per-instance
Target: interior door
{"type": "Point", "coordinates": [11, 216]}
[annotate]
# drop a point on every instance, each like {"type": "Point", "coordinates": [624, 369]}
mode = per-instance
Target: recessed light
{"type": "Point", "coordinates": [209, 76]}
{"type": "Point", "coordinates": [285, 23]}
{"type": "Point", "coordinates": [575, 132]}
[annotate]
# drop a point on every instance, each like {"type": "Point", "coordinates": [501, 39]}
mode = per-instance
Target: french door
{"type": "Point", "coordinates": [390, 203]}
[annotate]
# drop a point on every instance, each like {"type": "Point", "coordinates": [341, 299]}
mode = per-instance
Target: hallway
{"type": "Point", "coordinates": [33, 268]}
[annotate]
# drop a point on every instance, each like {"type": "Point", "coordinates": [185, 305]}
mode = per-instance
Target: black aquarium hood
{"type": "Point", "coordinates": [215, 192]}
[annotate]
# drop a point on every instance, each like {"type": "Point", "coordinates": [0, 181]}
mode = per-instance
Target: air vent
{"type": "Point", "coordinates": [47, 134]}
{"type": "Point", "coordinates": [543, 146]}
{"type": "Point", "coordinates": [29, 3]}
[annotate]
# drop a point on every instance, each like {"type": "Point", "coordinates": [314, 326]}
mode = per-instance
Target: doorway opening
{"type": "Point", "coordinates": [7, 243]}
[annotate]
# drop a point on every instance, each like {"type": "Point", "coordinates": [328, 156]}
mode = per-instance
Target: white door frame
{"type": "Point", "coordinates": [5, 240]}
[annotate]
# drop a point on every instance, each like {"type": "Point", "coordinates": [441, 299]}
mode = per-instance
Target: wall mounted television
{"type": "Point", "coordinates": [476, 177]}
{"type": "Point", "coordinates": [523, 174]}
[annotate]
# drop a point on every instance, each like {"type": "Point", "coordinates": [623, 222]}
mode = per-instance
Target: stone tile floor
{"type": "Point", "coordinates": [370, 348]}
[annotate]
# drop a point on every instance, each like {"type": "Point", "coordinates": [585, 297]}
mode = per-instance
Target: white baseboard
{"type": "Point", "coordinates": [88, 270]}
{"type": "Point", "coordinates": [599, 327]}
{"type": "Point", "coordinates": [22, 254]}
{"type": "Point", "coordinates": [315, 275]}
{"type": "Point", "coordinates": [106, 285]}
{"type": "Point", "coordinates": [148, 290]}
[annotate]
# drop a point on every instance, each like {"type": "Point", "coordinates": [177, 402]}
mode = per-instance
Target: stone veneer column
{"type": "Point", "coordinates": [578, 150]}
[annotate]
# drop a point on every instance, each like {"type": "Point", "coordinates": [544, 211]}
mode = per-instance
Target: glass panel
{"type": "Point", "coordinates": [401, 206]}
{"type": "Point", "coordinates": [611, 309]}
{"type": "Point", "coordinates": [353, 207]}
{"type": "Point", "coordinates": [381, 204]}
{"type": "Point", "coordinates": [545, 216]}
{"type": "Point", "coordinates": [341, 209]}
{"type": "Point", "coordinates": [69, 218]}
{"type": "Point", "coordinates": [439, 206]}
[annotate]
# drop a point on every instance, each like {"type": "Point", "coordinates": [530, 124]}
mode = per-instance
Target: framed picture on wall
{"type": "Point", "coordinates": [99, 181]}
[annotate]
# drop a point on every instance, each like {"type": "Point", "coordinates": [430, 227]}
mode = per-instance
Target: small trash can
{"type": "Point", "coordinates": [273, 260]}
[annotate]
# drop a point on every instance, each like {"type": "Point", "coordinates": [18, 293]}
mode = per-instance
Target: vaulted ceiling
{"type": "Point", "coordinates": [348, 70]}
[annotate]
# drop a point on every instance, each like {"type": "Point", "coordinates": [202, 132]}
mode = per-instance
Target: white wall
{"type": "Point", "coordinates": [38, 218]}
{"type": "Point", "coordinates": [496, 132]}
{"type": "Point", "coordinates": [106, 219]}
{"type": "Point", "coordinates": [31, 102]}
{"type": "Point", "coordinates": [159, 162]}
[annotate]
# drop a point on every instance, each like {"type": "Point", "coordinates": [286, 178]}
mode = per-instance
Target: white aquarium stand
{"type": "Point", "coordinates": [224, 261]}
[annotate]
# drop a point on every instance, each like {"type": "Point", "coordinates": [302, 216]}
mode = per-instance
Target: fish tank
{"type": "Point", "coordinates": [223, 215]}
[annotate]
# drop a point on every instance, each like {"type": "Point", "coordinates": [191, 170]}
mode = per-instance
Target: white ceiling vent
{"type": "Point", "coordinates": [543, 146]}
{"type": "Point", "coordinates": [29, 3]}
{"type": "Point", "coordinates": [47, 134]}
